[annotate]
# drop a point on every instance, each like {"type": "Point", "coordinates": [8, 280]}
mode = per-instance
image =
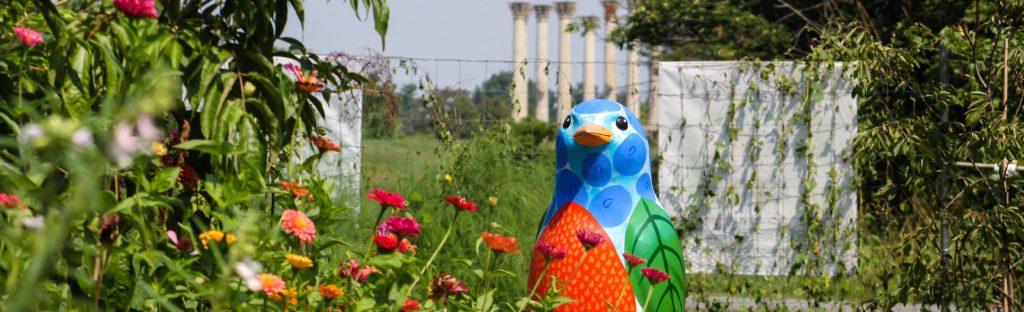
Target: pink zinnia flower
{"type": "Point", "coordinates": [387, 199]}
{"type": "Point", "coordinates": [550, 252]}
{"type": "Point", "coordinates": [348, 269]}
{"type": "Point", "coordinates": [632, 260]}
{"type": "Point", "coordinates": [27, 36]}
{"type": "Point", "coordinates": [589, 239]}
{"type": "Point", "coordinates": [271, 284]}
{"type": "Point", "coordinates": [183, 243]}
{"type": "Point", "coordinates": [653, 275]}
{"type": "Point", "coordinates": [296, 222]}
{"type": "Point", "coordinates": [446, 285]}
{"type": "Point", "coordinates": [403, 226]}
{"type": "Point", "coordinates": [137, 8]}
{"type": "Point", "coordinates": [460, 203]}
{"type": "Point", "coordinates": [9, 200]}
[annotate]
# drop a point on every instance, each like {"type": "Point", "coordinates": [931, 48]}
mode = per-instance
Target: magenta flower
{"type": "Point", "coordinates": [632, 260]}
{"type": "Point", "coordinates": [137, 8]}
{"type": "Point", "coordinates": [653, 275]}
{"type": "Point", "coordinates": [9, 200]}
{"type": "Point", "coordinates": [589, 239]}
{"type": "Point", "coordinates": [550, 252]}
{"type": "Point", "coordinates": [27, 36]}
{"type": "Point", "coordinates": [403, 226]}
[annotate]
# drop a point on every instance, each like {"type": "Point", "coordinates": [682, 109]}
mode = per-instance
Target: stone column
{"type": "Point", "coordinates": [543, 62]}
{"type": "Point", "coordinates": [611, 21]}
{"type": "Point", "coordinates": [589, 58]}
{"type": "Point", "coordinates": [565, 11]}
{"type": "Point", "coordinates": [633, 72]}
{"type": "Point", "coordinates": [520, 11]}
{"type": "Point", "coordinates": [652, 98]}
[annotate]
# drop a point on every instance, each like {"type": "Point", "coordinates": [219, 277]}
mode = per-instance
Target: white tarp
{"type": "Point", "coordinates": [744, 205]}
{"type": "Point", "coordinates": [342, 122]}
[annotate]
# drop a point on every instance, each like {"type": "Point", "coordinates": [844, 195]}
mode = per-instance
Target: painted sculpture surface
{"type": "Point", "coordinates": [603, 184]}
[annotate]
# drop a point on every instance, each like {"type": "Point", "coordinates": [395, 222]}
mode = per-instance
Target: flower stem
{"type": "Point", "coordinates": [533, 290]}
{"type": "Point", "coordinates": [649, 293]}
{"type": "Point", "coordinates": [436, 251]}
{"type": "Point", "coordinates": [373, 231]}
{"type": "Point", "coordinates": [489, 264]}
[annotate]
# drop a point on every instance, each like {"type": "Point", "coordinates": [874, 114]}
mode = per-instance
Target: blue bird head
{"type": "Point", "coordinates": [602, 162]}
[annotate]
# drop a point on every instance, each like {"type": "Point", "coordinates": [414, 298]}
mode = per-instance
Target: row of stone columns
{"type": "Point", "coordinates": [565, 11]}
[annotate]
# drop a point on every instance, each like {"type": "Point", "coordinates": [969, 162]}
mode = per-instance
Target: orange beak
{"type": "Point", "coordinates": [592, 135]}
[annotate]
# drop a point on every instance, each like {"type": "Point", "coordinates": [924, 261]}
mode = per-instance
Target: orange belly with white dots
{"type": "Point", "coordinates": [600, 282]}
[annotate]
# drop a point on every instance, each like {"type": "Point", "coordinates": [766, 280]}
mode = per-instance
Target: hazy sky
{"type": "Point", "coordinates": [444, 29]}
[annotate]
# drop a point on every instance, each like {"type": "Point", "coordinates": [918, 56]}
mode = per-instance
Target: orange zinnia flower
{"type": "Point", "coordinates": [325, 144]}
{"type": "Point", "coordinates": [330, 291]}
{"type": "Point", "coordinates": [309, 83]}
{"type": "Point", "coordinates": [217, 236]}
{"type": "Point", "coordinates": [501, 244]}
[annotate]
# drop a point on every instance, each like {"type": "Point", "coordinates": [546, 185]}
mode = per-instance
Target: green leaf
{"type": "Point", "coordinates": [165, 179]}
{"type": "Point", "coordinates": [651, 236]}
{"type": "Point", "coordinates": [205, 146]}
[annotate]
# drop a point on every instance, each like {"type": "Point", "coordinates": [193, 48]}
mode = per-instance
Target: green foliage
{"type": "Point", "coordinates": [651, 235]}
{"type": "Point", "coordinates": [932, 95]}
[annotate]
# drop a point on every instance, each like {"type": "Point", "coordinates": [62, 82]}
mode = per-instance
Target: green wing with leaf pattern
{"type": "Point", "coordinates": [650, 235]}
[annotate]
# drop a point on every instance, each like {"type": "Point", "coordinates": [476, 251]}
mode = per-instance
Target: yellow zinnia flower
{"type": "Point", "coordinates": [448, 178]}
{"type": "Point", "coordinates": [299, 261]}
{"type": "Point", "coordinates": [158, 149]}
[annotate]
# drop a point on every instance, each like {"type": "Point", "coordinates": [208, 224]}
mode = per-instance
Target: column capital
{"type": "Point", "coordinates": [566, 8]}
{"type": "Point", "coordinates": [610, 6]}
{"type": "Point", "coordinates": [520, 9]}
{"type": "Point", "coordinates": [543, 10]}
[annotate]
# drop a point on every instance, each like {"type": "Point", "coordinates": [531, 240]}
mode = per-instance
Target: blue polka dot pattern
{"type": "Point", "coordinates": [645, 189]}
{"type": "Point", "coordinates": [559, 151]}
{"type": "Point", "coordinates": [611, 206]}
{"type": "Point", "coordinates": [631, 155]}
{"type": "Point", "coordinates": [597, 169]}
{"type": "Point", "coordinates": [567, 185]}
{"type": "Point", "coordinates": [597, 106]}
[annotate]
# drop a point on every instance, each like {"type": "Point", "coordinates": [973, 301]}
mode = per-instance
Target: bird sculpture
{"type": "Point", "coordinates": [603, 185]}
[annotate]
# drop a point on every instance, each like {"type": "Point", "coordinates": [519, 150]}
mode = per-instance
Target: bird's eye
{"type": "Point", "coordinates": [567, 122]}
{"type": "Point", "coordinates": [621, 123]}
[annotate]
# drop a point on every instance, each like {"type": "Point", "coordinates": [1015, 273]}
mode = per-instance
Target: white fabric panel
{"type": "Point", "coordinates": [694, 106]}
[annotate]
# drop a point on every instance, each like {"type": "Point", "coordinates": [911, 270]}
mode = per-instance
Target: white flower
{"type": "Point", "coordinates": [82, 138]}
{"type": "Point", "coordinates": [30, 132]}
{"type": "Point", "coordinates": [249, 271]}
{"type": "Point", "coordinates": [33, 222]}
{"type": "Point", "coordinates": [122, 146]}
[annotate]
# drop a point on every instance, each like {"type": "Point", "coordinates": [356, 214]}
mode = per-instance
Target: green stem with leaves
{"type": "Point", "coordinates": [436, 251]}
{"type": "Point", "coordinates": [533, 290]}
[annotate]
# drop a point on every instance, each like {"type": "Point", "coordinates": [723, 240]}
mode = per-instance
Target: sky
{"type": "Point", "coordinates": [444, 29]}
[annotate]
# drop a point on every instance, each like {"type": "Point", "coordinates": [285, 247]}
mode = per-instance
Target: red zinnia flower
{"type": "Point", "coordinates": [9, 200]}
{"type": "Point", "coordinates": [136, 8]}
{"type": "Point", "coordinates": [27, 36]}
{"type": "Point", "coordinates": [590, 239]}
{"type": "Point", "coordinates": [410, 305]}
{"type": "Point", "coordinates": [445, 285]}
{"type": "Point", "coordinates": [460, 203]}
{"type": "Point", "coordinates": [325, 144]}
{"type": "Point", "coordinates": [403, 226]}
{"type": "Point", "coordinates": [386, 241]}
{"type": "Point", "coordinates": [387, 199]}
{"type": "Point", "coordinates": [632, 260]}
{"type": "Point", "coordinates": [550, 252]}
{"type": "Point", "coordinates": [500, 244]}
{"type": "Point", "coordinates": [653, 275]}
